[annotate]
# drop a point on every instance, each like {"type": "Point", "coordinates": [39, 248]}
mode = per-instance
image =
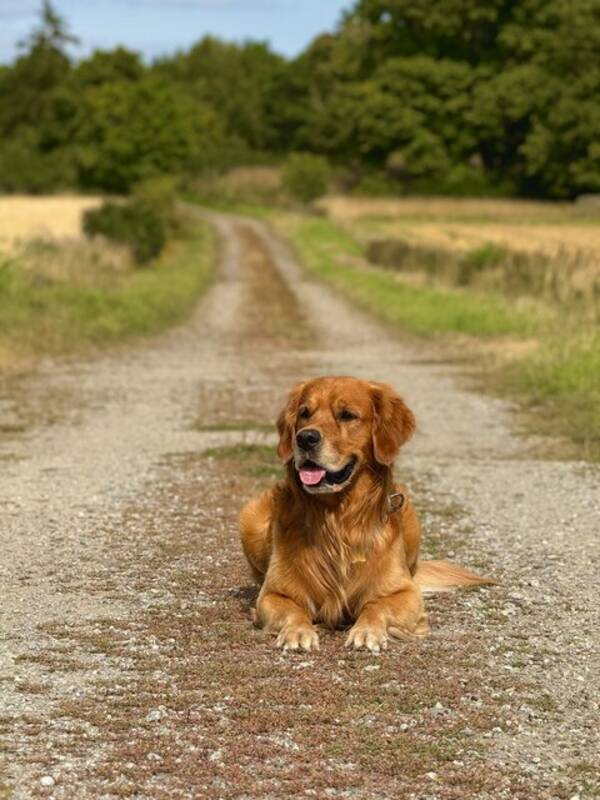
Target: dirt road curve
{"type": "Point", "coordinates": [128, 664]}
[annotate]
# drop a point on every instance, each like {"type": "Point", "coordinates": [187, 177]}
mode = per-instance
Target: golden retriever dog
{"type": "Point", "coordinates": [337, 542]}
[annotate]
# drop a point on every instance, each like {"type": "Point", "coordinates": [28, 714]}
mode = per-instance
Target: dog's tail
{"type": "Point", "coordinates": [442, 576]}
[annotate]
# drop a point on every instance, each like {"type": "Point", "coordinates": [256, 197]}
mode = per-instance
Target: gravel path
{"type": "Point", "coordinates": [129, 667]}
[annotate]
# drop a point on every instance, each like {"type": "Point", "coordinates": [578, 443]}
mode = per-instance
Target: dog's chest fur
{"type": "Point", "coordinates": [335, 563]}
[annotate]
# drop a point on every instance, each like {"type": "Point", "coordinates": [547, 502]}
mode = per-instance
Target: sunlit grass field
{"type": "Point", "coordinates": [531, 247]}
{"type": "Point", "coordinates": [23, 217]}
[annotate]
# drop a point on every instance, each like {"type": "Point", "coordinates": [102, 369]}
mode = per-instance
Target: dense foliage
{"type": "Point", "coordinates": [143, 223]}
{"type": "Point", "coordinates": [305, 176]}
{"type": "Point", "coordinates": [134, 223]}
{"type": "Point", "coordinates": [475, 96]}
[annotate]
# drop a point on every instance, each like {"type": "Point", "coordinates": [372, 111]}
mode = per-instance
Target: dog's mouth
{"type": "Point", "coordinates": [314, 476]}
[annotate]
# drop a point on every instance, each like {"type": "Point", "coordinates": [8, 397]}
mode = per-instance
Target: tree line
{"type": "Point", "coordinates": [464, 97]}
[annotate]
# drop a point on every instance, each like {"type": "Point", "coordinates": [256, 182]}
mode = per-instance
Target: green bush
{"type": "Point", "coordinates": [161, 195]}
{"type": "Point", "coordinates": [305, 176]}
{"type": "Point", "coordinates": [400, 255]}
{"type": "Point", "coordinates": [136, 223]}
{"type": "Point", "coordinates": [485, 256]}
{"type": "Point", "coordinates": [377, 184]}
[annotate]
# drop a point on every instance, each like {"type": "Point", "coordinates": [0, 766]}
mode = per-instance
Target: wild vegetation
{"type": "Point", "coordinates": [543, 347]}
{"type": "Point", "coordinates": [60, 295]}
{"type": "Point", "coordinates": [470, 98]}
{"type": "Point", "coordinates": [539, 250]}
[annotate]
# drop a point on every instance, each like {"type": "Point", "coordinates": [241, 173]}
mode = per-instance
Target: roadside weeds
{"type": "Point", "coordinates": [50, 313]}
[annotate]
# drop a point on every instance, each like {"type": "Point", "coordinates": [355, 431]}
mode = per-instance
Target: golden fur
{"type": "Point", "coordinates": [340, 553]}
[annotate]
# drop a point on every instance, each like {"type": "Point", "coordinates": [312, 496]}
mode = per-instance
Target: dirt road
{"type": "Point", "coordinates": [129, 666]}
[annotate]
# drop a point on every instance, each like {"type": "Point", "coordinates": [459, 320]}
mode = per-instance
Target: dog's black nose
{"type": "Point", "coordinates": [308, 438]}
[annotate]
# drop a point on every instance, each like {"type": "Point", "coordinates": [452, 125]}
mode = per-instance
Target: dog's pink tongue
{"type": "Point", "coordinates": [310, 477]}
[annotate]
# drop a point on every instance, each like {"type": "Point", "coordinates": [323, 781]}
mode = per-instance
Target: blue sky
{"type": "Point", "coordinates": [161, 26]}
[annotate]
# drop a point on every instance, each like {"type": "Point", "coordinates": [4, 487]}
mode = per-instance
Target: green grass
{"type": "Point", "coordinates": [562, 382]}
{"type": "Point", "coordinates": [419, 309]}
{"type": "Point", "coordinates": [235, 425]}
{"type": "Point", "coordinates": [228, 206]}
{"type": "Point", "coordinates": [253, 460]}
{"type": "Point", "coordinates": [43, 316]}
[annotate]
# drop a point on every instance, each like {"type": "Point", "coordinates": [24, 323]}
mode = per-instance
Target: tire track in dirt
{"type": "Point", "coordinates": [131, 667]}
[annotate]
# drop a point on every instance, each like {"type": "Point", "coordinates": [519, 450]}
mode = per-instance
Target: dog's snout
{"type": "Point", "coordinates": [308, 438]}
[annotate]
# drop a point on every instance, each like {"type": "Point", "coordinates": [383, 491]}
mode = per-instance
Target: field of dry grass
{"type": "Point", "coordinates": [462, 223]}
{"type": "Point", "coordinates": [532, 247]}
{"type": "Point", "coordinates": [458, 209]}
{"type": "Point", "coordinates": [24, 217]}
{"type": "Point", "coordinates": [550, 239]}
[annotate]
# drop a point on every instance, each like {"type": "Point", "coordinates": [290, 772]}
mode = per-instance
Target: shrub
{"type": "Point", "coordinates": [161, 195]}
{"type": "Point", "coordinates": [136, 223]}
{"type": "Point", "coordinates": [472, 263]}
{"type": "Point", "coordinates": [377, 184]}
{"type": "Point", "coordinates": [305, 176]}
{"type": "Point", "coordinates": [401, 255]}
{"type": "Point", "coordinates": [252, 185]}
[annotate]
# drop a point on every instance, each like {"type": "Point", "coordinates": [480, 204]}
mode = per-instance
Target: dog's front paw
{"type": "Point", "coordinates": [298, 637]}
{"type": "Point", "coordinates": [368, 637]}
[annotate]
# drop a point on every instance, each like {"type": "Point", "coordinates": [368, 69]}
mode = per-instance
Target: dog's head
{"type": "Point", "coordinates": [334, 427]}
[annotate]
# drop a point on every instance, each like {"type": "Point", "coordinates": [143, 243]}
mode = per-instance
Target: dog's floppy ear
{"type": "Point", "coordinates": [393, 422]}
{"type": "Point", "coordinates": [286, 422]}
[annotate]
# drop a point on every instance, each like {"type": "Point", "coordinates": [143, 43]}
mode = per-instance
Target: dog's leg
{"type": "Point", "coordinates": [411, 535]}
{"type": "Point", "coordinates": [400, 615]}
{"type": "Point", "coordinates": [282, 615]}
{"type": "Point", "coordinates": [255, 524]}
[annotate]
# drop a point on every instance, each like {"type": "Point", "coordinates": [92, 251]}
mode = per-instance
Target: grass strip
{"type": "Point", "coordinates": [560, 383]}
{"type": "Point", "coordinates": [252, 460]}
{"type": "Point", "coordinates": [328, 252]}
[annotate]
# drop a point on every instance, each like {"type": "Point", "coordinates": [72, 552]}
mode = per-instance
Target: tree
{"type": "Point", "coordinates": [442, 85]}
{"type": "Point", "coordinates": [235, 79]}
{"type": "Point", "coordinates": [51, 34]}
{"type": "Point", "coordinates": [26, 89]}
{"type": "Point", "coordinates": [109, 66]}
{"type": "Point", "coordinates": [128, 132]}
{"type": "Point", "coordinates": [29, 91]}
{"type": "Point", "coordinates": [306, 176]}
{"type": "Point", "coordinates": [446, 95]}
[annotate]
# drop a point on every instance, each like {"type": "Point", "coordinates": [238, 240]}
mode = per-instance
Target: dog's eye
{"type": "Point", "coordinates": [304, 413]}
{"type": "Point", "coordinates": [347, 416]}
